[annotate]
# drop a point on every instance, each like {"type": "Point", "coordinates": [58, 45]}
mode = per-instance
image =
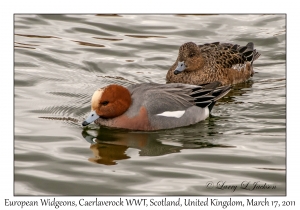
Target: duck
{"type": "Point", "coordinates": [152, 106]}
{"type": "Point", "coordinates": [224, 62]}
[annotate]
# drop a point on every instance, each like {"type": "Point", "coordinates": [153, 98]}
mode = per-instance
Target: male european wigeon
{"type": "Point", "coordinates": [223, 62]}
{"type": "Point", "coordinates": [151, 106]}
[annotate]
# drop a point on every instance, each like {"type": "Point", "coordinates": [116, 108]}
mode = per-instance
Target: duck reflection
{"type": "Point", "coordinates": [111, 145]}
{"type": "Point", "coordinates": [237, 90]}
{"type": "Point", "coordinates": [107, 154]}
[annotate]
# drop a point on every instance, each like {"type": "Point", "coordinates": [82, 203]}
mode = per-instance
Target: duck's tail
{"type": "Point", "coordinates": [219, 93]}
{"type": "Point", "coordinates": [209, 94]}
{"type": "Point", "coordinates": [250, 54]}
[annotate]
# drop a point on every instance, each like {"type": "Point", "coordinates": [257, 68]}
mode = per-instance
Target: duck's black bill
{"type": "Point", "coordinates": [177, 72]}
{"type": "Point", "coordinates": [85, 123]}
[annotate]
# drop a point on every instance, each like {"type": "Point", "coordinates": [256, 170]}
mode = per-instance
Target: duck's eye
{"type": "Point", "coordinates": [104, 103]}
{"type": "Point", "coordinates": [192, 55]}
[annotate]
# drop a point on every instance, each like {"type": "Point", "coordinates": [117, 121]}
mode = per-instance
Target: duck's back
{"type": "Point", "coordinates": [174, 105]}
{"type": "Point", "coordinates": [225, 55]}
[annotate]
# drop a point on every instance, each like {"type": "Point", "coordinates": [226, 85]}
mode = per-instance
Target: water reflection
{"type": "Point", "coordinates": [237, 90]}
{"type": "Point", "coordinates": [37, 36]}
{"type": "Point", "coordinates": [136, 36]}
{"type": "Point", "coordinates": [109, 146]}
{"type": "Point", "coordinates": [89, 44]}
{"type": "Point", "coordinates": [107, 154]}
{"type": "Point", "coordinates": [108, 39]}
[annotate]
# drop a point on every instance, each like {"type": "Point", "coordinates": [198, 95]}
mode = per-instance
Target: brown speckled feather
{"type": "Point", "coordinates": [224, 62]}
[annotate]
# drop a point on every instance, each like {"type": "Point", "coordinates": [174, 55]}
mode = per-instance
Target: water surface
{"type": "Point", "coordinates": [60, 60]}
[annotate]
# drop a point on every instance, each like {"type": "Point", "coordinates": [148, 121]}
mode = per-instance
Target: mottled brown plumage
{"type": "Point", "coordinates": [223, 62]}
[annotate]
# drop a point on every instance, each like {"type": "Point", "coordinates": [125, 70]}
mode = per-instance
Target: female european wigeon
{"type": "Point", "coordinates": [223, 62]}
{"type": "Point", "coordinates": [151, 106]}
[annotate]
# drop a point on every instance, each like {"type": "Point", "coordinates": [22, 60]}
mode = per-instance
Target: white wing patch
{"type": "Point", "coordinates": [206, 112]}
{"type": "Point", "coordinates": [176, 114]}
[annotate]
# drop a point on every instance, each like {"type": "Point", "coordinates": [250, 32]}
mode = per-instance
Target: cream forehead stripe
{"type": "Point", "coordinates": [96, 98]}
